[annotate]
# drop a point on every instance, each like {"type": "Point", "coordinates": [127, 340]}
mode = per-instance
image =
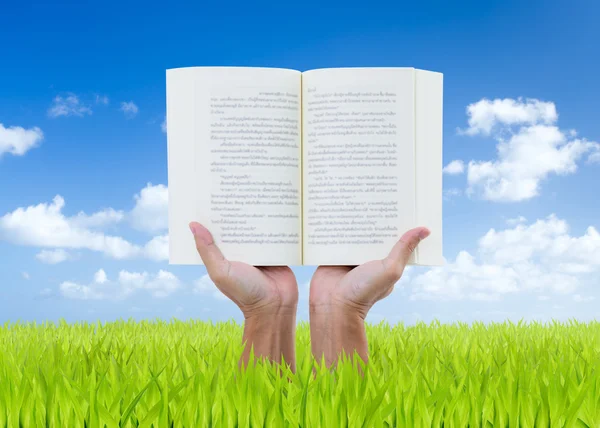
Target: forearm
{"type": "Point", "coordinates": [335, 329]}
{"type": "Point", "coordinates": [272, 335]}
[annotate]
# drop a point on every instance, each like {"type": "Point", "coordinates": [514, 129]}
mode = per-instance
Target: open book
{"type": "Point", "coordinates": [324, 167]}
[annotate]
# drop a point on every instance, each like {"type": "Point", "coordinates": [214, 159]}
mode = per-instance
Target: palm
{"type": "Point", "coordinates": [359, 286]}
{"type": "Point", "coordinates": [253, 288]}
{"type": "Point", "coordinates": [362, 286]}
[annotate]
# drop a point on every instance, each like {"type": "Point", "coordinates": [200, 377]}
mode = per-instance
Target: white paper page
{"type": "Point", "coordinates": [358, 163]}
{"type": "Point", "coordinates": [428, 108]}
{"type": "Point", "coordinates": [234, 149]}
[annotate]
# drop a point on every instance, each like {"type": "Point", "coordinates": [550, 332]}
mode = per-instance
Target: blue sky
{"type": "Point", "coordinates": [82, 101]}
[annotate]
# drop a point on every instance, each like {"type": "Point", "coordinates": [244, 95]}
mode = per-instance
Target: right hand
{"type": "Point", "coordinates": [358, 288]}
{"type": "Point", "coordinates": [255, 290]}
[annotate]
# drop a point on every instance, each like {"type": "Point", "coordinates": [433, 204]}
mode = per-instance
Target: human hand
{"type": "Point", "coordinates": [341, 296]}
{"type": "Point", "coordinates": [267, 296]}
{"type": "Point", "coordinates": [360, 287]}
{"type": "Point", "coordinates": [255, 290]}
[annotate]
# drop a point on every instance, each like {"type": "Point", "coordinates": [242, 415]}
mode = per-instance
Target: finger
{"type": "Point", "coordinates": [216, 264]}
{"type": "Point", "coordinates": [401, 252]}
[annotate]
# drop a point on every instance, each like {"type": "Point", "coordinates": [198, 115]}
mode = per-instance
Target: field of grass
{"type": "Point", "coordinates": [185, 374]}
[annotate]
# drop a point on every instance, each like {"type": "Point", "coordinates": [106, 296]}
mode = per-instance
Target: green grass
{"type": "Point", "coordinates": [185, 374]}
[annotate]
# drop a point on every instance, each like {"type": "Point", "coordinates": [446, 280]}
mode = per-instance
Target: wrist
{"type": "Point", "coordinates": [266, 313]}
{"type": "Point", "coordinates": [272, 308]}
{"type": "Point", "coordinates": [271, 305]}
{"type": "Point", "coordinates": [271, 333]}
{"type": "Point", "coordinates": [339, 305]}
{"type": "Point", "coordinates": [268, 325]}
{"type": "Point", "coordinates": [337, 326]}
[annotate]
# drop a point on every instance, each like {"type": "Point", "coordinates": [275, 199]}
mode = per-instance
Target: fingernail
{"type": "Point", "coordinates": [424, 233]}
{"type": "Point", "coordinates": [194, 228]}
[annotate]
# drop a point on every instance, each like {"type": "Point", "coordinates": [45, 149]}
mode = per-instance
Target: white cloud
{"type": "Point", "coordinates": [99, 219]}
{"type": "Point", "coordinates": [129, 109]}
{"type": "Point", "coordinates": [455, 167]}
{"type": "Point", "coordinates": [515, 221]}
{"type": "Point", "coordinates": [543, 298]}
{"type": "Point", "coordinates": [163, 125]}
{"type": "Point", "coordinates": [93, 291]}
{"type": "Point", "coordinates": [44, 225]}
{"type": "Point", "coordinates": [203, 285]}
{"type": "Point", "coordinates": [52, 257]}
{"type": "Point", "coordinates": [575, 268]}
{"type": "Point", "coordinates": [583, 299]}
{"type": "Point", "coordinates": [537, 257]}
{"type": "Point", "coordinates": [150, 213]}
{"type": "Point", "coordinates": [594, 157]}
{"type": "Point", "coordinates": [400, 287]}
{"type": "Point", "coordinates": [71, 290]}
{"type": "Point", "coordinates": [530, 147]}
{"type": "Point", "coordinates": [514, 176]}
{"type": "Point", "coordinates": [100, 277]}
{"type": "Point", "coordinates": [451, 193]}
{"type": "Point", "coordinates": [465, 279]}
{"type": "Point", "coordinates": [547, 239]}
{"type": "Point", "coordinates": [157, 248]}
{"type": "Point", "coordinates": [70, 105]}
{"type": "Point", "coordinates": [102, 99]}
{"type": "Point", "coordinates": [485, 115]}
{"type": "Point", "coordinates": [25, 275]}
{"type": "Point", "coordinates": [17, 141]}
{"type": "Point", "coordinates": [161, 284]}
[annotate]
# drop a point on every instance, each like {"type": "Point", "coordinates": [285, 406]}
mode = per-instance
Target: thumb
{"type": "Point", "coordinates": [216, 264]}
{"type": "Point", "coordinates": [401, 252]}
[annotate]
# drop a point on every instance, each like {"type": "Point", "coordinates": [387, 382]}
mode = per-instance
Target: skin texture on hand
{"type": "Point", "coordinates": [341, 297]}
{"type": "Point", "coordinates": [267, 296]}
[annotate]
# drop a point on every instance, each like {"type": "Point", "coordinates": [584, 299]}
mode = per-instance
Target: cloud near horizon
{"type": "Point", "coordinates": [45, 226]}
{"type": "Point", "coordinates": [540, 257]}
{"type": "Point", "coordinates": [456, 167]}
{"type": "Point", "coordinates": [160, 285]}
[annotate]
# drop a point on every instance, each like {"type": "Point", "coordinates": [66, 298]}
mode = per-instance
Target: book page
{"type": "Point", "coordinates": [358, 163]}
{"type": "Point", "coordinates": [234, 147]}
{"type": "Point", "coordinates": [428, 146]}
